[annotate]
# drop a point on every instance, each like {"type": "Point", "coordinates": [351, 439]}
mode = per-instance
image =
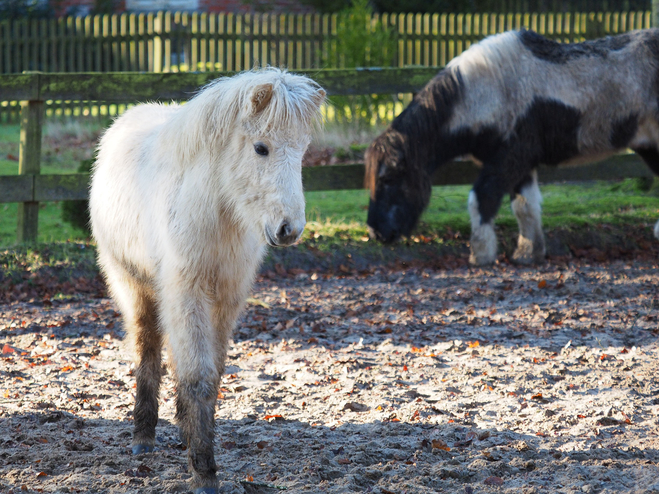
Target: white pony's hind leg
{"type": "Point", "coordinates": [137, 304]}
{"type": "Point", "coordinates": [656, 230]}
{"type": "Point", "coordinates": [526, 206]}
{"type": "Point", "coordinates": [483, 239]}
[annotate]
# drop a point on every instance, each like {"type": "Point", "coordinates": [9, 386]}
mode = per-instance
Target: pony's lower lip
{"type": "Point", "coordinates": [268, 238]}
{"type": "Point", "coordinates": [377, 235]}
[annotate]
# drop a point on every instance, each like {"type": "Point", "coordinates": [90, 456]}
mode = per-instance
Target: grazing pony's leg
{"type": "Point", "coordinates": [193, 343]}
{"type": "Point", "coordinates": [651, 157]}
{"type": "Point", "coordinates": [526, 201]}
{"type": "Point", "coordinates": [484, 203]}
{"type": "Point", "coordinates": [141, 323]}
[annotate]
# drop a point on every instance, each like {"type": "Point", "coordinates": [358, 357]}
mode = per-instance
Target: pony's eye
{"type": "Point", "coordinates": [261, 149]}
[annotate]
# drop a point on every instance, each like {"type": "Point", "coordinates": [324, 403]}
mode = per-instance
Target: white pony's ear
{"type": "Point", "coordinates": [261, 96]}
{"type": "Point", "coordinates": [319, 97]}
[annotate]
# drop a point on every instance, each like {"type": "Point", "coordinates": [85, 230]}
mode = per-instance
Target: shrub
{"type": "Point", "coordinates": [359, 41]}
{"type": "Point", "coordinates": [76, 213]}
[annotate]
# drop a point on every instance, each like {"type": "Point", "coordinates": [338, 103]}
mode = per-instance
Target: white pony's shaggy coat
{"type": "Point", "coordinates": [182, 208]}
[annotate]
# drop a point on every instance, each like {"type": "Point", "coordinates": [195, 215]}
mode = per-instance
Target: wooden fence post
{"type": "Point", "coordinates": [29, 163]}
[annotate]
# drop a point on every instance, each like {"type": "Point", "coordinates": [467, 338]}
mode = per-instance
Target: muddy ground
{"type": "Point", "coordinates": [507, 380]}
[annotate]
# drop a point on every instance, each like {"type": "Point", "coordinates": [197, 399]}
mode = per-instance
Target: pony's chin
{"type": "Point", "coordinates": [272, 242]}
{"type": "Point", "coordinates": [389, 238]}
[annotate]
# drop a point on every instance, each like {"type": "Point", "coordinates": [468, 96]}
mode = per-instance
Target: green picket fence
{"type": "Point", "coordinates": [182, 42]}
{"type": "Point", "coordinates": [178, 41]}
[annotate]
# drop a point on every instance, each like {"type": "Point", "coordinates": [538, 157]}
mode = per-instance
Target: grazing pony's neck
{"type": "Point", "coordinates": [423, 125]}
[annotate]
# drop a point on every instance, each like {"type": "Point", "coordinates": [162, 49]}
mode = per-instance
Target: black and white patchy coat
{"type": "Point", "coordinates": [514, 101]}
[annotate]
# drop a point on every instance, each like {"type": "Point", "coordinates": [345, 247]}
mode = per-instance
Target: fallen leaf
{"type": "Point", "coordinates": [541, 284]}
{"type": "Point", "coordinates": [493, 481]}
{"type": "Point", "coordinates": [353, 406]}
{"type": "Point", "coordinates": [255, 301]}
{"type": "Point", "coordinates": [272, 417]}
{"type": "Point", "coordinates": [439, 444]}
{"type": "Point", "coordinates": [8, 350]}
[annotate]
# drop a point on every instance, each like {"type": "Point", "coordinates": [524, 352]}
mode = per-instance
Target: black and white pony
{"type": "Point", "coordinates": [514, 101]}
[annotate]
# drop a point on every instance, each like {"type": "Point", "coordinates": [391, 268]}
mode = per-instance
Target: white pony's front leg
{"type": "Point", "coordinates": [656, 230]}
{"type": "Point", "coordinates": [483, 238]}
{"type": "Point", "coordinates": [526, 206]}
{"type": "Point", "coordinates": [193, 345]}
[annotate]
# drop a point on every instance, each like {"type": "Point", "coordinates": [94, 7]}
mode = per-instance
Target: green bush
{"type": "Point", "coordinates": [76, 213]}
{"type": "Point", "coordinates": [360, 41]}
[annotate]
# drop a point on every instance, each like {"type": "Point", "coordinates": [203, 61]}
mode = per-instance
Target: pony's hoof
{"type": "Point", "coordinates": [523, 258]}
{"type": "Point", "coordinates": [139, 449]}
{"type": "Point", "coordinates": [205, 490]}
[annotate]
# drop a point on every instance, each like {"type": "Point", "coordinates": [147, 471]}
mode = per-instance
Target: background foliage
{"type": "Point", "coordinates": [434, 6]}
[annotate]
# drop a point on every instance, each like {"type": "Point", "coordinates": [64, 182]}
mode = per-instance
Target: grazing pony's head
{"type": "Point", "coordinates": [401, 161]}
{"type": "Point", "coordinates": [253, 130]}
{"type": "Point", "coordinates": [400, 190]}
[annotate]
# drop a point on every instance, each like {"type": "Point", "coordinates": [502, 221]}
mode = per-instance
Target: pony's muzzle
{"type": "Point", "coordinates": [287, 233]}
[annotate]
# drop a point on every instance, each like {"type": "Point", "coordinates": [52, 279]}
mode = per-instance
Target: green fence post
{"type": "Point", "coordinates": [29, 163]}
{"type": "Point", "coordinates": [655, 13]}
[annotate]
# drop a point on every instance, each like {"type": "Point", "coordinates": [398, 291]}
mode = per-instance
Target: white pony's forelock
{"type": "Point", "coordinates": [225, 102]}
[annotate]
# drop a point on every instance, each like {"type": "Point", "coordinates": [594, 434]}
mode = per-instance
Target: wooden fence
{"type": "Point", "coordinates": [30, 187]}
{"type": "Point", "coordinates": [178, 41]}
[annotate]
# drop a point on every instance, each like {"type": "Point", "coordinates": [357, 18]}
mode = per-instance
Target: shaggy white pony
{"type": "Point", "coordinates": [184, 199]}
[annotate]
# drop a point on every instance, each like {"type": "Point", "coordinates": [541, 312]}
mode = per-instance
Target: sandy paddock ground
{"type": "Point", "coordinates": [506, 380]}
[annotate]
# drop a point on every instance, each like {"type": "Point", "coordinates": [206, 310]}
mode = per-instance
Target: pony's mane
{"type": "Point", "coordinates": [416, 134]}
{"type": "Point", "coordinates": [217, 108]}
{"type": "Point", "coordinates": [497, 54]}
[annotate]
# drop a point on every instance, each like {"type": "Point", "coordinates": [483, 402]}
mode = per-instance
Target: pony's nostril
{"type": "Point", "coordinates": [284, 231]}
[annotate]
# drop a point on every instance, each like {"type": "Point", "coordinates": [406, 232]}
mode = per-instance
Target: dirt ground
{"type": "Point", "coordinates": [506, 380]}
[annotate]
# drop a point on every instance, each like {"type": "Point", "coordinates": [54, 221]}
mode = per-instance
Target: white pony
{"type": "Point", "coordinates": [183, 201]}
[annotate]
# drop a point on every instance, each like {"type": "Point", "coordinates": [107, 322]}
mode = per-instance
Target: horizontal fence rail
{"type": "Point", "coordinates": [75, 186]}
{"type": "Point", "coordinates": [32, 89]}
{"type": "Point", "coordinates": [131, 87]}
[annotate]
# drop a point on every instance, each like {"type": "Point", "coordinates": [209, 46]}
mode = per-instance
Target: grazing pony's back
{"type": "Point", "coordinates": [514, 101]}
{"type": "Point", "coordinates": [184, 199]}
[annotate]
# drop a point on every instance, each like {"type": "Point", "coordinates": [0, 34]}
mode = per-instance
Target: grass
{"type": "Point", "coordinates": [342, 214]}
{"type": "Point", "coordinates": [65, 145]}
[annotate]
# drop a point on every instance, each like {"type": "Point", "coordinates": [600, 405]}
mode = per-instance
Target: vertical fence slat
{"type": "Point", "coordinates": [29, 163]}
